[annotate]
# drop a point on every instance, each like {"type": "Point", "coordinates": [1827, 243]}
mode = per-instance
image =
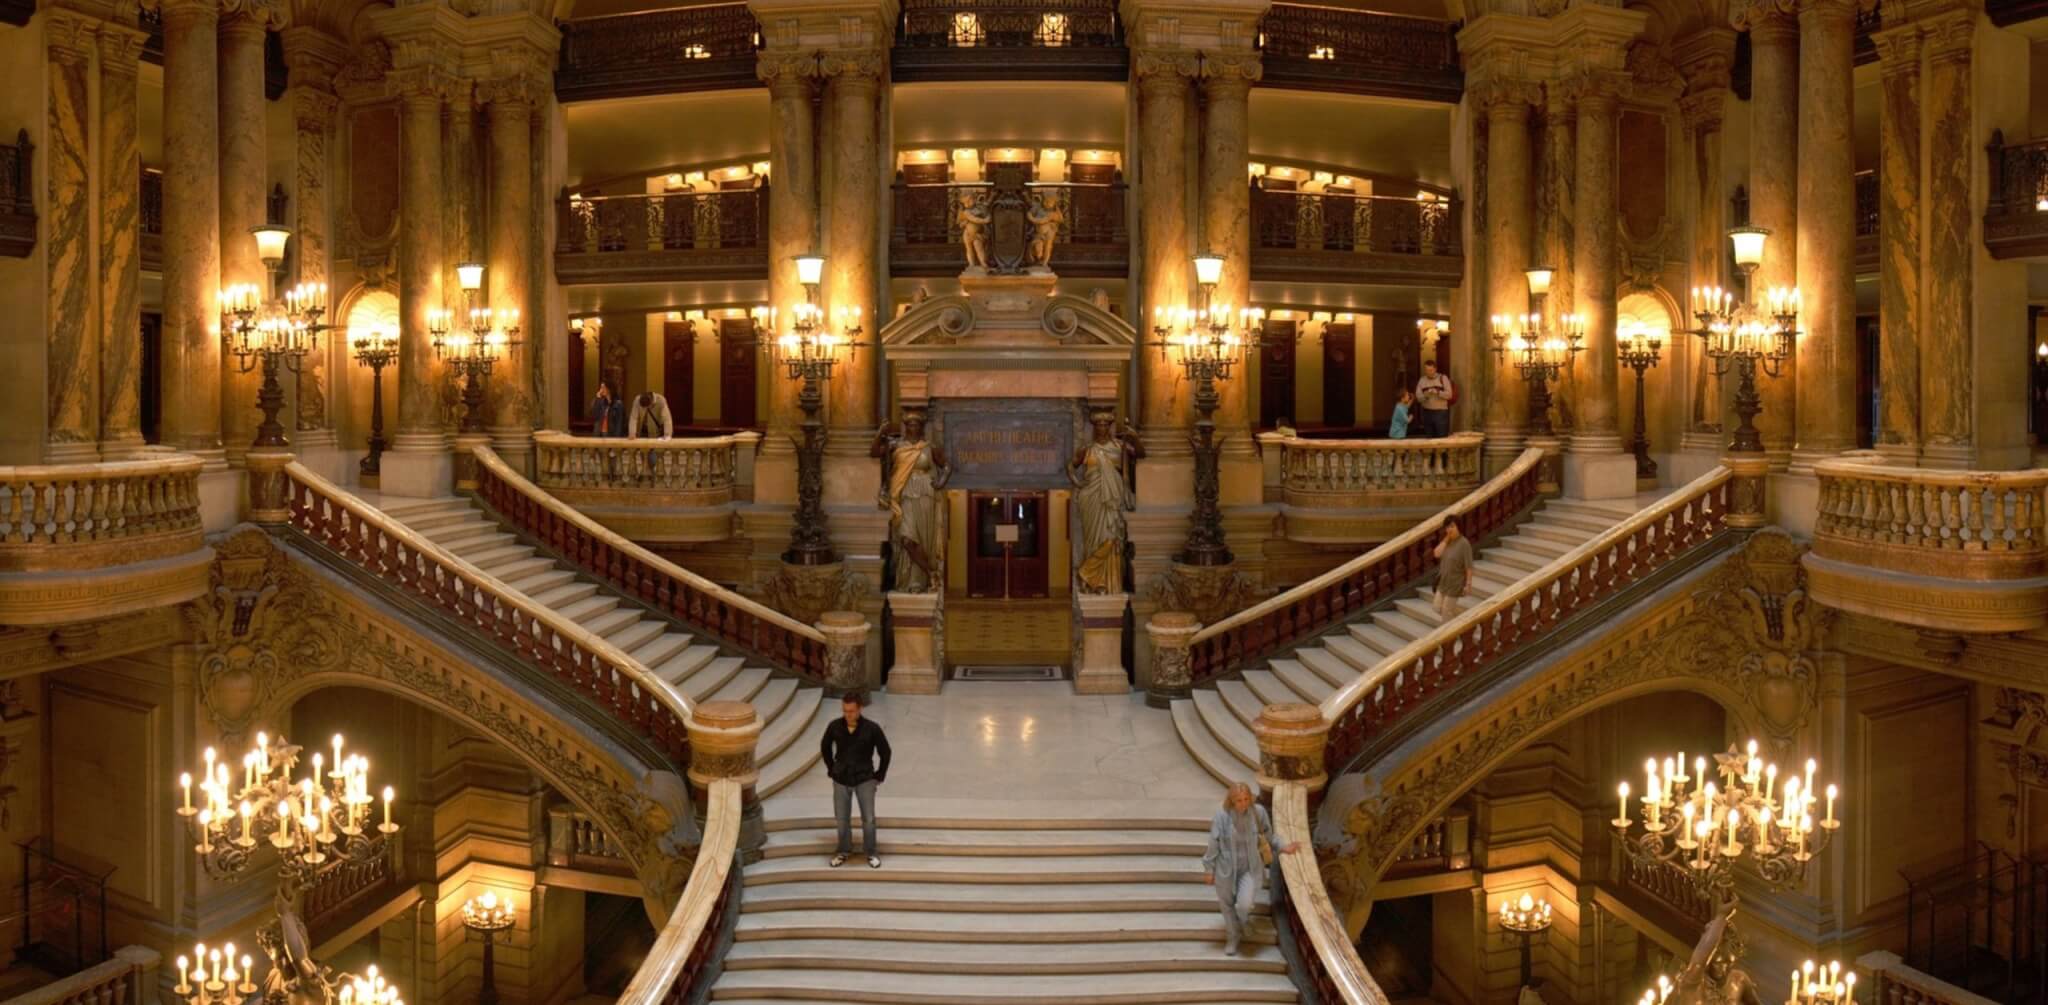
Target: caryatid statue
{"type": "Point", "coordinates": [1100, 471]}
{"type": "Point", "coordinates": [913, 471]}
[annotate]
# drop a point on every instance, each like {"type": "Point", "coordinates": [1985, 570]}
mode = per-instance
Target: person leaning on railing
{"type": "Point", "coordinates": [1437, 393]}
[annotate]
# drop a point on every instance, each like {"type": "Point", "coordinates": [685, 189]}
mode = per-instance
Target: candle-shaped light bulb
{"type": "Point", "coordinates": [183, 965]}
{"type": "Point", "coordinates": [387, 805]}
{"type": "Point", "coordinates": [185, 783]}
{"type": "Point", "coordinates": [1830, 820]}
{"type": "Point", "coordinates": [248, 820]}
{"type": "Point", "coordinates": [1621, 820]}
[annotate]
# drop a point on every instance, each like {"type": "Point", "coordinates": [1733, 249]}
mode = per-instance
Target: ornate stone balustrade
{"type": "Point", "coordinates": [670, 237]}
{"type": "Point", "coordinates": [1358, 52]}
{"type": "Point", "coordinates": [1094, 240]}
{"type": "Point", "coordinates": [1300, 614]}
{"type": "Point", "coordinates": [575, 841]}
{"type": "Point", "coordinates": [684, 960]}
{"type": "Point", "coordinates": [1959, 551]}
{"type": "Point", "coordinates": [1665, 884]}
{"type": "Point", "coordinates": [673, 51]}
{"type": "Point", "coordinates": [130, 978]}
{"type": "Point", "coordinates": [1328, 963]}
{"type": "Point", "coordinates": [1892, 982]}
{"type": "Point", "coordinates": [2015, 222]}
{"type": "Point", "coordinates": [1443, 844]}
{"type": "Point", "coordinates": [1353, 491]}
{"type": "Point", "coordinates": [1009, 40]}
{"type": "Point", "coordinates": [678, 490]}
{"type": "Point", "coordinates": [350, 885]}
{"type": "Point", "coordinates": [17, 197]}
{"type": "Point", "coordinates": [1339, 237]}
{"type": "Point", "coordinates": [82, 541]}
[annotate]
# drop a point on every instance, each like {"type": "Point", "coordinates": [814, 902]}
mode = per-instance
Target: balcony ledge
{"type": "Point", "coordinates": [1960, 606]}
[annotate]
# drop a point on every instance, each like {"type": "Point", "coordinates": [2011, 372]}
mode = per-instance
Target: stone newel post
{"type": "Point", "coordinates": [269, 488]}
{"type": "Point", "coordinates": [1748, 489]}
{"type": "Point", "coordinates": [1102, 634]}
{"type": "Point", "coordinates": [722, 739]}
{"type": "Point", "coordinates": [1171, 632]}
{"type": "Point", "coordinates": [915, 620]}
{"type": "Point", "coordinates": [1291, 738]}
{"type": "Point", "coordinates": [846, 650]}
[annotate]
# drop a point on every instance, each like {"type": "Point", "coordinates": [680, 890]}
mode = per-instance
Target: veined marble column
{"type": "Point", "coordinates": [120, 197]}
{"type": "Point", "coordinates": [1471, 358]}
{"type": "Point", "coordinates": [1555, 220]}
{"type": "Point", "coordinates": [1227, 218]}
{"type": "Point", "coordinates": [792, 223]}
{"type": "Point", "coordinates": [1595, 428]}
{"type": "Point", "coordinates": [1702, 111]}
{"type": "Point", "coordinates": [191, 337]}
{"type": "Point", "coordinates": [1899, 247]}
{"type": "Point", "coordinates": [461, 240]}
{"type": "Point", "coordinates": [1774, 194]}
{"type": "Point", "coordinates": [852, 235]}
{"type": "Point", "coordinates": [1827, 230]}
{"type": "Point", "coordinates": [1947, 389]}
{"type": "Point", "coordinates": [244, 168]}
{"type": "Point", "coordinates": [1507, 256]}
{"type": "Point", "coordinates": [313, 57]}
{"type": "Point", "coordinates": [73, 381]}
{"type": "Point", "coordinates": [511, 222]}
{"type": "Point", "coordinates": [1167, 256]}
{"type": "Point", "coordinates": [420, 426]}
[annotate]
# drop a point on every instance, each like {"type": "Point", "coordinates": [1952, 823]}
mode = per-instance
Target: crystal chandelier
{"type": "Point", "coordinates": [1705, 828]}
{"type": "Point", "coordinates": [1746, 336]}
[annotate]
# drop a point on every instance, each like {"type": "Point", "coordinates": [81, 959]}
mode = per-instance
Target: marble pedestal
{"type": "Point", "coordinates": [913, 616]}
{"type": "Point", "coordinates": [421, 470]}
{"type": "Point", "coordinates": [1599, 475]}
{"type": "Point", "coordinates": [1101, 670]}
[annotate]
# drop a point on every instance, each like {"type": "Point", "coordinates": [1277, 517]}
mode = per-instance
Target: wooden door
{"type": "Point", "coordinates": [738, 356]}
{"type": "Point", "coordinates": [678, 370]}
{"type": "Point", "coordinates": [1007, 549]}
{"type": "Point", "coordinates": [1340, 375]}
{"type": "Point", "coordinates": [1276, 374]}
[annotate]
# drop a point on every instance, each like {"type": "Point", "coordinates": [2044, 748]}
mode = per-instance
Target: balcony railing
{"type": "Point", "coordinates": [2016, 215]}
{"type": "Point", "coordinates": [130, 978]}
{"type": "Point", "coordinates": [1357, 52]}
{"type": "Point", "coordinates": [679, 490]}
{"type": "Point", "coordinates": [1667, 885]}
{"type": "Point", "coordinates": [1093, 240]}
{"type": "Point", "coordinates": [1320, 236]}
{"type": "Point", "coordinates": [17, 197]}
{"type": "Point", "coordinates": [1350, 491]}
{"type": "Point", "coordinates": [576, 842]}
{"type": "Point", "coordinates": [151, 210]}
{"type": "Point", "coordinates": [1892, 982]}
{"type": "Point", "coordinates": [1009, 40]}
{"type": "Point", "coordinates": [662, 238]}
{"type": "Point", "coordinates": [123, 522]}
{"type": "Point", "coordinates": [1866, 222]}
{"type": "Point", "coordinates": [673, 51]}
{"type": "Point", "coordinates": [1442, 845]}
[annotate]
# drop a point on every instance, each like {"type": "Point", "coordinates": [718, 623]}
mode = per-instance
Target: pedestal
{"type": "Point", "coordinates": [1549, 479]}
{"type": "Point", "coordinates": [1748, 491]}
{"type": "Point", "coordinates": [464, 460]}
{"type": "Point", "coordinates": [421, 468]}
{"type": "Point", "coordinates": [1599, 475]}
{"type": "Point", "coordinates": [1291, 738]}
{"type": "Point", "coordinates": [269, 496]}
{"type": "Point", "coordinates": [807, 592]}
{"type": "Point", "coordinates": [846, 657]}
{"type": "Point", "coordinates": [723, 736]}
{"type": "Point", "coordinates": [1171, 633]}
{"type": "Point", "coordinates": [1101, 670]}
{"type": "Point", "coordinates": [913, 616]}
{"type": "Point", "coordinates": [1209, 592]}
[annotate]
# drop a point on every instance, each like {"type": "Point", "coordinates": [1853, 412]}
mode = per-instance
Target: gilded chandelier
{"type": "Point", "coordinates": [313, 823]}
{"type": "Point", "coordinates": [1690, 821]}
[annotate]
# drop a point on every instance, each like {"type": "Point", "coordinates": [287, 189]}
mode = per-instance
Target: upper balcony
{"type": "Point", "coordinates": [1344, 237]}
{"type": "Point", "coordinates": [1093, 241]}
{"type": "Point", "coordinates": [668, 237]}
{"type": "Point", "coordinates": [1360, 52]}
{"type": "Point", "coordinates": [2016, 215]}
{"type": "Point", "coordinates": [1008, 40]}
{"type": "Point", "coordinates": [674, 51]}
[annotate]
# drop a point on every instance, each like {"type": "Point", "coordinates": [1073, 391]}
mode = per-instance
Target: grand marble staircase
{"type": "Point", "coordinates": [1215, 722]}
{"type": "Point", "coordinates": [978, 909]}
{"type": "Point", "coordinates": [697, 668]}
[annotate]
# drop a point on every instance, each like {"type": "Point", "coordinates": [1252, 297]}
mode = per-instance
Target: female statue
{"type": "Point", "coordinates": [913, 471]}
{"type": "Point", "coordinates": [1099, 471]}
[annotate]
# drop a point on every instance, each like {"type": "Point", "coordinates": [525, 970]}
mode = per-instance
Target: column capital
{"type": "Point", "coordinates": [120, 47]}
{"type": "Point", "coordinates": [509, 95]}
{"type": "Point", "coordinates": [854, 65]}
{"type": "Point", "coordinates": [1948, 36]}
{"type": "Point", "coordinates": [1159, 66]}
{"type": "Point", "coordinates": [1703, 111]}
{"type": "Point", "coordinates": [1560, 103]}
{"type": "Point", "coordinates": [1898, 49]}
{"type": "Point", "coordinates": [313, 107]}
{"type": "Point", "coordinates": [786, 71]}
{"type": "Point", "coordinates": [459, 93]}
{"type": "Point", "coordinates": [1765, 19]}
{"type": "Point", "coordinates": [420, 84]}
{"type": "Point", "coordinates": [253, 15]}
{"type": "Point", "coordinates": [1595, 91]}
{"type": "Point", "coordinates": [68, 34]}
{"type": "Point", "coordinates": [1506, 97]}
{"type": "Point", "coordinates": [1231, 70]}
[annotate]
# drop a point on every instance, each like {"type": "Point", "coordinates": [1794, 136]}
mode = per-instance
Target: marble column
{"type": "Point", "coordinates": [1595, 428]}
{"type": "Point", "coordinates": [1899, 246]}
{"type": "Point", "coordinates": [510, 226]}
{"type": "Point", "coordinates": [1507, 208]}
{"type": "Point", "coordinates": [191, 336]}
{"type": "Point", "coordinates": [73, 381]}
{"type": "Point", "coordinates": [1947, 389]}
{"type": "Point", "coordinates": [313, 57]}
{"type": "Point", "coordinates": [1827, 230]}
{"type": "Point", "coordinates": [120, 251]}
{"type": "Point", "coordinates": [420, 425]}
{"type": "Point", "coordinates": [1555, 219]}
{"type": "Point", "coordinates": [852, 236]}
{"type": "Point", "coordinates": [1227, 218]}
{"type": "Point", "coordinates": [1166, 262]}
{"type": "Point", "coordinates": [244, 169]}
{"type": "Point", "coordinates": [1471, 358]}
{"type": "Point", "coordinates": [1702, 112]}
{"type": "Point", "coordinates": [1774, 195]}
{"type": "Point", "coordinates": [461, 241]}
{"type": "Point", "coordinates": [792, 231]}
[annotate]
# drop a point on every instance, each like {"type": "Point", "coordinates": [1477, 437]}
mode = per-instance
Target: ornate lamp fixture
{"type": "Point", "coordinates": [807, 351]}
{"type": "Point", "coordinates": [1690, 821]}
{"type": "Point", "coordinates": [1527, 917]}
{"type": "Point", "coordinates": [1746, 336]}
{"type": "Point", "coordinates": [1207, 341]}
{"type": "Point", "coordinates": [487, 916]}
{"type": "Point", "coordinates": [1639, 349]}
{"type": "Point", "coordinates": [473, 349]}
{"type": "Point", "coordinates": [1811, 985]}
{"type": "Point", "coordinates": [1541, 350]}
{"type": "Point", "coordinates": [376, 351]}
{"type": "Point", "coordinates": [260, 327]}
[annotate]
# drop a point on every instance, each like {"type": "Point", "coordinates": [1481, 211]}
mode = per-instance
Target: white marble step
{"type": "Point", "coordinates": [635, 634]}
{"type": "Point", "coordinates": [1311, 686]}
{"type": "Point", "coordinates": [1236, 737]}
{"type": "Point", "coordinates": [971, 842]}
{"type": "Point", "coordinates": [995, 959]}
{"type": "Point", "coordinates": [1207, 750]}
{"type": "Point", "coordinates": [794, 731]}
{"type": "Point", "coordinates": [1022, 870]}
{"type": "Point", "coordinates": [854, 891]}
{"type": "Point", "coordinates": [993, 926]}
{"type": "Point", "coordinates": [957, 989]}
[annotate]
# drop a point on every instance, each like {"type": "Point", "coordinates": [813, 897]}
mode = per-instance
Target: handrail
{"type": "Point", "coordinates": [1315, 468]}
{"type": "Point", "coordinates": [1613, 559]}
{"type": "Point", "coordinates": [363, 535]}
{"type": "Point", "coordinates": [1330, 598]}
{"type": "Point", "coordinates": [1335, 972]}
{"type": "Point", "coordinates": [129, 978]}
{"type": "Point", "coordinates": [676, 967]}
{"type": "Point", "coordinates": [693, 464]}
{"type": "Point", "coordinates": [104, 503]}
{"type": "Point", "coordinates": [677, 592]}
{"type": "Point", "coordinates": [1895, 983]}
{"type": "Point", "coordinates": [1922, 508]}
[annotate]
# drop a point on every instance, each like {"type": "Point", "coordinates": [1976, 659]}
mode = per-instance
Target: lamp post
{"type": "Point", "coordinates": [260, 327]}
{"type": "Point", "coordinates": [376, 351]}
{"type": "Point", "coordinates": [1527, 917]}
{"type": "Point", "coordinates": [1639, 350]}
{"type": "Point", "coordinates": [1540, 350]}
{"type": "Point", "coordinates": [1746, 336]}
{"type": "Point", "coordinates": [807, 352]}
{"type": "Point", "coordinates": [473, 349]}
{"type": "Point", "coordinates": [487, 916]}
{"type": "Point", "coordinates": [1208, 341]}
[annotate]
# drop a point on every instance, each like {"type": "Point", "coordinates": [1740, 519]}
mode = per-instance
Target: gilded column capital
{"type": "Point", "coordinates": [1598, 91]}
{"type": "Point", "coordinates": [1560, 104]}
{"type": "Point", "coordinates": [1948, 36]}
{"type": "Point", "coordinates": [1165, 66]}
{"type": "Point", "coordinates": [1773, 20]}
{"type": "Point", "coordinates": [512, 95]}
{"type": "Point", "coordinates": [1506, 97]}
{"type": "Point", "coordinates": [254, 15]}
{"type": "Point", "coordinates": [68, 34]}
{"type": "Point", "coordinates": [855, 66]}
{"type": "Point", "coordinates": [120, 48]}
{"type": "Point", "coordinates": [313, 107]}
{"type": "Point", "coordinates": [784, 72]}
{"type": "Point", "coordinates": [1222, 71]}
{"type": "Point", "coordinates": [459, 95]}
{"type": "Point", "coordinates": [419, 85]}
{"type": "Point", "coordinates": [1898, 49]}
{"type": "Point", "coordinates": [1703, 111]}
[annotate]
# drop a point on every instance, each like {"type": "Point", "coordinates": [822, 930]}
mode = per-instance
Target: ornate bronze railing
{"type": "Point", "coordinates": [347, 885]}
{"type": "Point", "coordinates": [667, 237]}
{"type": "Point", "coordinates": [359, 534]}
{"type": "Point", "coordinates": [129, 978]}
{"type": "Point", "coordinates": [1484, 634]}
{"type": "Point", "coordinates": [1666, 883]}
{"type": "Point", "coordinates": [1359, 52]}
{"type": "Point", "coordinates": [674, 592]}
{"type": "Point", "coordinates": [684, 960]}
{"type": "Point", "coordinates": [1892, 982]}
{"type": "Point", "coordinates": [1009, 40]}
{"type": "Point", "coordinates": [1093, 241]}
{"type": "Point", "coordinates": [17, 197]}
{"type": "Point", "coordinates": [672, 51]}
{"type": "Point", "coordinates": [1326, 963]}
{"type": "Point", "coordinates": [1307, 236]}
{"type": "Point", "coordinates": [2016, 214]}
{"type": "Point", "coordinates": [1333, 598]}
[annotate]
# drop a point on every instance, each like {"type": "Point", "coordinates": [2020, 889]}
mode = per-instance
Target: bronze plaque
{"type": "Point", "coordinates": [1000, 447]}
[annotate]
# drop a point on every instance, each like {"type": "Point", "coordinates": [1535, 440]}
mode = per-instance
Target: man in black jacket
{"type": "Point", "coordinates": [851, 746]}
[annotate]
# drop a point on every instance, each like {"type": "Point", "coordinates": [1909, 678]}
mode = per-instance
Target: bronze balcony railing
{"type": "Point", "coordinates": [1867, 223]}
{"type": "Point", "coordinates": [662, 238]}
{"type": "Point", "coordinates": [2016, 214]}
{"type": "Point", "coordinates": [1094, 240]}
{"type": "Point", "coordinates": [17, 197]}
{"type": "Point", "coordinates": [1310, 237]}
{"type": "Point", "coordinates": [1667, 885]}
{"type": "Point", "coordinates": [1358, 52]}
{"type": "Point", "coordinates": [673, 51]}
{"type": "Point", "coordinates": [151, 209]}
{"type": "Point", "coordinates": [1008, 40]}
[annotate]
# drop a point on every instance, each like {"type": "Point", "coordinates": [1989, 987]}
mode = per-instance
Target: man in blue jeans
{"type": "Point", "coordinates": [851, 748]}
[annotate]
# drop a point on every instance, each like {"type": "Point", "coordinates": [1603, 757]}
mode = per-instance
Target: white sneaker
{"type": "Point", "coordinates": [874, 861]}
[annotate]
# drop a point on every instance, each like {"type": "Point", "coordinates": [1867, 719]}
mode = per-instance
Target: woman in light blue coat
{"type": "Point", "coordinates": [1232, 863]}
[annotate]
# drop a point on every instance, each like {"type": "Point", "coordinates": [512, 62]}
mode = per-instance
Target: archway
{"type": "Point", "coordinates": [371, 312]}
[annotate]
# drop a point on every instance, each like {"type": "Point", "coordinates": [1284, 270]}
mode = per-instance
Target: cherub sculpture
{"type": "Point", "coordinates": [974, 217]}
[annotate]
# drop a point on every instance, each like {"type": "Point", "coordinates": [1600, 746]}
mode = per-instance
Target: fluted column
{"type": "Point", "coordinates": [1507, 256]}
{"type": "Point", "coordinates": [1166, 263]}
{"type": "Point", "coordinates": [120, 250]}
{"type": "Point", "coordinates": [1555, 222]}
{"type": "Point", "coordinates": [1702, 111]}
{"type": "Point", "coordinates": [73, 380]}
{"type": "Point", "coordinates": [853, 233]}
{"type": "Point", "coordinates": [244, 167]}
{"type": "Point", "coordinates": [792, 231]}
{"type": "Point", "coordinates": [1948, 384]}
{"type": "Point", "coordinates": [191, 336]}
{"type": "Point", "coordinates": [510, 229]}
{"type": "Point", "coordinates": [1227, 216]}
{"type": "Point", "coordinates": [1899, 246]}
{"type": "Point", "coordinates": [1774, 194]}
{"type": "Point", "coordinates": [1827, 230]}
{"type": "Point", "coordinates": [1595, 428]}
{"type": "Point", "coordinates": [313, 57]}
{"type": "Point", "coordinates": [420, 426]}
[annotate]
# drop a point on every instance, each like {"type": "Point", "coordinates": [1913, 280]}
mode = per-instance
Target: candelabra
{"type": "Point", "coordinates": [1527, 917]}
{"type": "Point", "coordinates": [1639, 349]}
{"type": "Point", "coordinates": [1746, 336]}
{"type": "Point", "coordinates": [1659, 993]}
{"type": "Point", "coordinates": [807, 352]}
{"type": "Point", "coordinates": [1207, 341]}
{"type": "Point", "coordinates": [473, 349]}
{"type": "Point", "coordinates": [1540, 349]}
{"type": "Point", "coordinates": [1828, 984]}
{"type": "Point", "coordinates": [487, 916]}
{"type": "Point", "coordinates": [376, 351]}
{"type": "Point", "coordinates": [260, 327]}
